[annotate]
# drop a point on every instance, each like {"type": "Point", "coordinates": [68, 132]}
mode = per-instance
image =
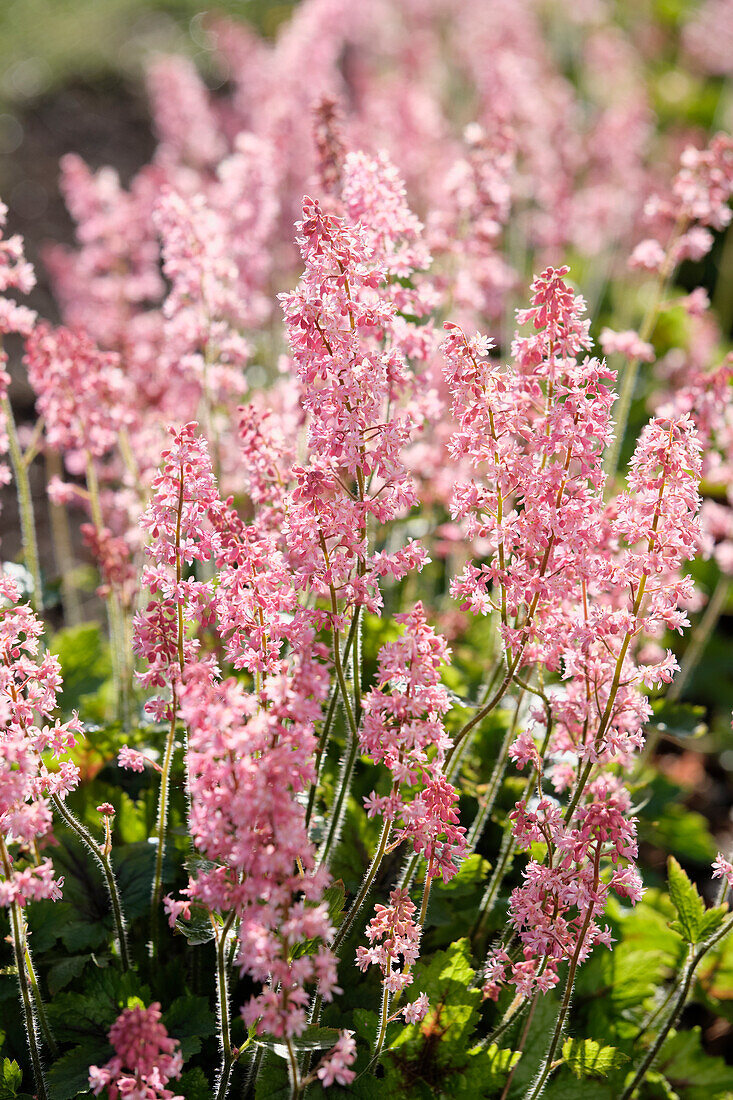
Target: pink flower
{"type": "Point", "coordinates": [33, 748]}
{"type": "Point", "coordinates": [334, 1068]}
{"type": "Point", "coordinates": [416, 1010]}
{"type": "Point", "coordinates": [648, 255]}
{"type": "Point", "coordinates": [628, 344]}
{"type": "Point", "coordinates": [82, 392]}
{"type": "Point", "coordinates": [722, 868]}
{"type": "Point", "coordinates": [132, 759]}
{"type": "Point", "coordinates": [145, 1059]}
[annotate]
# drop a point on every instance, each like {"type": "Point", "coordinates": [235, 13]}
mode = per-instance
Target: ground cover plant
{"type": "Point", "coordinates": [387, 438]}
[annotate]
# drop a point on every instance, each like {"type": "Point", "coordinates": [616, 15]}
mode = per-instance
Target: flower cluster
{"type": "Point", "coordinates": [395, 942]}
{"type": "Point", "coordinates": [403, 729]}
{"type": "Point", "coordinates": [31, 734]}
{"type": "Point", "coordinates": [146, 1058]}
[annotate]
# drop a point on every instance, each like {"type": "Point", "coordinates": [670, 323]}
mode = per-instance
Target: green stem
{"type": "Point", "coordinates": [684, 986]}
{"type": "Point", "coordinates": [486, 709]}
{"type": "Point", "coordinates": [222, 991]}
{"type": "Point", "coordinates": [339, 806]}
{"type": "Point", "coordinates": [631, 372]}
{"type": "Point", "coordinates": [105, 863]}
{"type": "Point", "coordinates": [497, 776]}
{"type": "Point", "coordinates": [295, 1077]}
{"type": "Point", "coordinates": [121, 669]}
{"type": "Point", "coordinates": [162, 823]}
{"type": "Point", "coordinates": [365, 888]}
{"type": "Point", "coordinates": [356, 905]}
{"type": "Point", "coordinates": [18, 938]}
{"type": "Point", "coordinates": [25, 507]}
{"type": "Point", "coordinates": [163, 795]}
{"type": "Point", "coordinates": [568, 991]}
{"type": "Point", "coordinates": [40, 1007]}
{"type": "Point", "coordinates": [506, 851]}
{"type": "Point", "coordinates": [521, 1044]}
{"type": "Point", "coordinates": [63, 546]}
{"type": "Point", "coordinates": [383, 1021]}
{"type": "Point", "coordinates": [326, 732]}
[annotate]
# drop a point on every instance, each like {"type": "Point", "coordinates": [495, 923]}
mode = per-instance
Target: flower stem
{"type": "Point", "coordinates": [684, 986]}
{"type": "Point", "coordinates": [328, 723]}
{"type": "Point", "coordinates": [25, 506]}
{"type": "Point", "coordinates": [356, 905]}
{"type": "Point", "coordinates": [365, 888]}
{"type": "Point", "coordinates": [222, 991]}
{"type": "Point", "coordinates": [162, 823]}
{"type": "Point", "coordinates": [105, 862]}
{"type": "Point", "coordinates": [18, 938]}
{"type": "Point", "coordinates": [121, 669]}
{"type": "Point", "coordinates": [63, 546]}
{"type": "Point", "coordinates": [38, 1001]}
{"type": "Point", "coordinates": [347, 770]}
{"type": "Point", "coordinates": [568, 991]}
{"type": "Point", "coordinates": [631, 372]}
{"type": "Point", "coordinates": [383, 1021]}
{"type": "Point", "coordinates": [294, 1075]}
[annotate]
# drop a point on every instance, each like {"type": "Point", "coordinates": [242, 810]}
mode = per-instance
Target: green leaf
{"type": "Point", "coordinates": [272, 1081]}
{"type": "Point", "coordinates": [485, 1072]}
{"type": "Point", "coordinates": [366, 1023]}
{"type": "Point", "coordinates": [65, 970]}
{"type": "Point", "coordinates": [313, 1038]}
{"type": "Point", "coordinates": [335, 896]}
{"type": "Point", "coordinates": [85, 662]}
{"type": "Point", "coordinates": [686, 900]}
{"type": "Point", "coordinates": [446, 979]}
{"type": "Point", "coordinates": [79, 1017]}
{"type": "Point", "coordinates": [11, 1079]}
{"type": "Point", "coordinates": [587, 1058]}
{"type": "Point", "coordinates": [692, 1071]}
{"type": "Point", "coordinates": [189, 1019]}
{"type": "Point", "coordinates": [68, 1077]}
{"type": "Point", "coordinates": [712, 920]}
{"type": "Point", "coordinates": [199, 928]}
{"type": "Point", "coordinates": [535, 1046]}
{"type": "Point", "coordinates": [565, 1087]}
{"type": "Point", "coordinates": [193, 1085]}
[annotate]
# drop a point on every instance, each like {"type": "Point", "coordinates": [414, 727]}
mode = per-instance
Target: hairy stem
{"type": "Point", "coordinates": [29, 1018]}
{"type": "Point", "coordinates": [327, 725]}
{"type": "Point", "coordinates": [162, 823]}
{"type": "Point", "coordinates": [121, 668]}
{"type": "Point", "coordinates": [683, 987]}
{"type": "Point", "coordinates": [39, 1005]}
{"type": "Point", "coordinates": [105, 862]}
{"type": "Point", "coordinates": [25, 507]}
{"type": "Point", "coordinates": [568, 991]}
{"type": "Point", "coordinates": [222, 993]}
{"type": "Point", "coordinates": [63, 546]}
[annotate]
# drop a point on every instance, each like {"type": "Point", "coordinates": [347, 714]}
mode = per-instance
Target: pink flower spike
{"type": "Point", "coordinates": [722, 868]}
{"type": "Point", "coordinates": [416, 1010]}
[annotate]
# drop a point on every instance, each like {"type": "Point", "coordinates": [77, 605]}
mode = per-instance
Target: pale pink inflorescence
{"type": "Point", "coordinates": [34, 751]}
{"type": "Point", "coordinates": [403, 728]}
{"type": "Point", "coordinates": [146, 1058]}
{"type": "Point", "coordinates": [576, 582]}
